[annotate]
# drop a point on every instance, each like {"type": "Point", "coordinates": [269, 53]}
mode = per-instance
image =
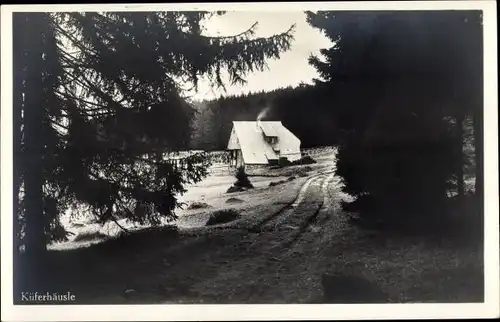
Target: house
{"type": "Point", "coordinates": [261, 143]}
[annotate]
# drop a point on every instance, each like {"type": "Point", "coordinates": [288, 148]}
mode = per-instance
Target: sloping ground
{"type": "Point", "coordinates": [282, 266]}
{"type": "Point", "coordinates": [257, 203]}
{"type": "Point", "coordinates": [282, 261]}
{"type": "Point", "coordinates": [211, 191]}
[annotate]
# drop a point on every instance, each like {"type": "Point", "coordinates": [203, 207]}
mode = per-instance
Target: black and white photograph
{"type": "Point", "coordinates": [239, 157]}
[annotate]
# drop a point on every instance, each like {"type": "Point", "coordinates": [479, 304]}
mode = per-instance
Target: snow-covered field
{"type": "Point", "coordinates": [212, 192]}
{"type": "Point", "coordinates": [271, 265]}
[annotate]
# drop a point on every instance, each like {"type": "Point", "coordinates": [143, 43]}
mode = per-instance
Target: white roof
{"type": "Point", "coordinates": [270, 128]}
{"type": "Point", "coordinates": [248, 136]}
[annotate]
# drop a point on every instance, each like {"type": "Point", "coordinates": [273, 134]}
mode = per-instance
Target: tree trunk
{"type": "Point", "coordinates": [19, 64]}
{"type": "Point", "coordinates": [33, 138]}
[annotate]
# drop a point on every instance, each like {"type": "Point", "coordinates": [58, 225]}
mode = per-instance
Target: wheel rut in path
{"type": "Point", "coordinates": [318, 201]}
{"type": "Point", "coordinates": [239, 265]}
{"type": "Point", "coordinates": [288, 207]}
{"type": "Point", "coordinates": [283, 250]}
{"type": "Point", "coordinates": [271, 222]}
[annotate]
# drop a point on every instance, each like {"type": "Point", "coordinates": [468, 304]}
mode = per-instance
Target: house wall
{"type": "Point", "coordinates": [236, 158]}
{"type": "Point", "coordinates": [256, 169]}
{"type": "Point", "coordinates": [233, 143]}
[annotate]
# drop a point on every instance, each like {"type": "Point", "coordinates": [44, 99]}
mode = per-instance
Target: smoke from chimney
{"type": "Point", "coordinates": [262, 114]}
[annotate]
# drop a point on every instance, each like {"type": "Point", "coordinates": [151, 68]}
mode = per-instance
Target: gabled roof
{"type": "Point", "coordinates": [250, 139]}
{"type": "Point", "coordinates": [271, 129]}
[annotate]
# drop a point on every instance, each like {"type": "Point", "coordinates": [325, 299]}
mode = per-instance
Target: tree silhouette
{"type": "Point", "coordinates": [99, 105]}
{"type": "Point", "coordinates": [400, 82]}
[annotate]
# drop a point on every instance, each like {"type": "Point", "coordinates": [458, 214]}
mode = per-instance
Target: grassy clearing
{"type": "Point", "coordinates": [257, 204]}
{"type": "Point", "coordinates": [206, 265]}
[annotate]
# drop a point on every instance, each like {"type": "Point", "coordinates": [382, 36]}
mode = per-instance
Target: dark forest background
{"type": "Point", "coordinates": [296, 106]}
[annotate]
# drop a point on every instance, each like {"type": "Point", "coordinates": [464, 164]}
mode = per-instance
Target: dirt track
{"type": "Point", "coordinates": [278, 259]}
{"type": "Point", "coordinates": [280, 252]}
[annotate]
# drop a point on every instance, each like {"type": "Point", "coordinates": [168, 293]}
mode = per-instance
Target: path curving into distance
{"type": "Point", "coordinates": [286, 247]}
{"type": "Point", "coordinates": [307, 192]}
{"type": "Point", "coordinates": [324, 190]}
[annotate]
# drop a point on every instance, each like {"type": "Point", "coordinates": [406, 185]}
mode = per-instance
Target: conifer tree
{"type": "Point", "coordinates": [99, 104]}
{"type": "Point", "coordinates": [398, 82]}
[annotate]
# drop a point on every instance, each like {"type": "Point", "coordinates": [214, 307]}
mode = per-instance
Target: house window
{"type": "Point", "coordinates": [272, 139]}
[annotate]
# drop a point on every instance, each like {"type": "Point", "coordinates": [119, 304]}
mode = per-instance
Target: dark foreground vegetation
{"type": "Point", "coordinates": [339, 263]}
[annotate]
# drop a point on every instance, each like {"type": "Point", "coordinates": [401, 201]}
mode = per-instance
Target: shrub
{"type": "Point", "coordinates": [284, 162]}
{"type": "Point", "coordinates": [222, 216]}
{"type": "Point", "coordinates": [234, 200]}
{"type": "Point", "coordinates": [198, 205]}
{"type": "Point", "coordinates": [306, 159]}
{"type": "Point", "coordinates": [275, 183]}
{"type": "Point", "coordinates": [242, 179]}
